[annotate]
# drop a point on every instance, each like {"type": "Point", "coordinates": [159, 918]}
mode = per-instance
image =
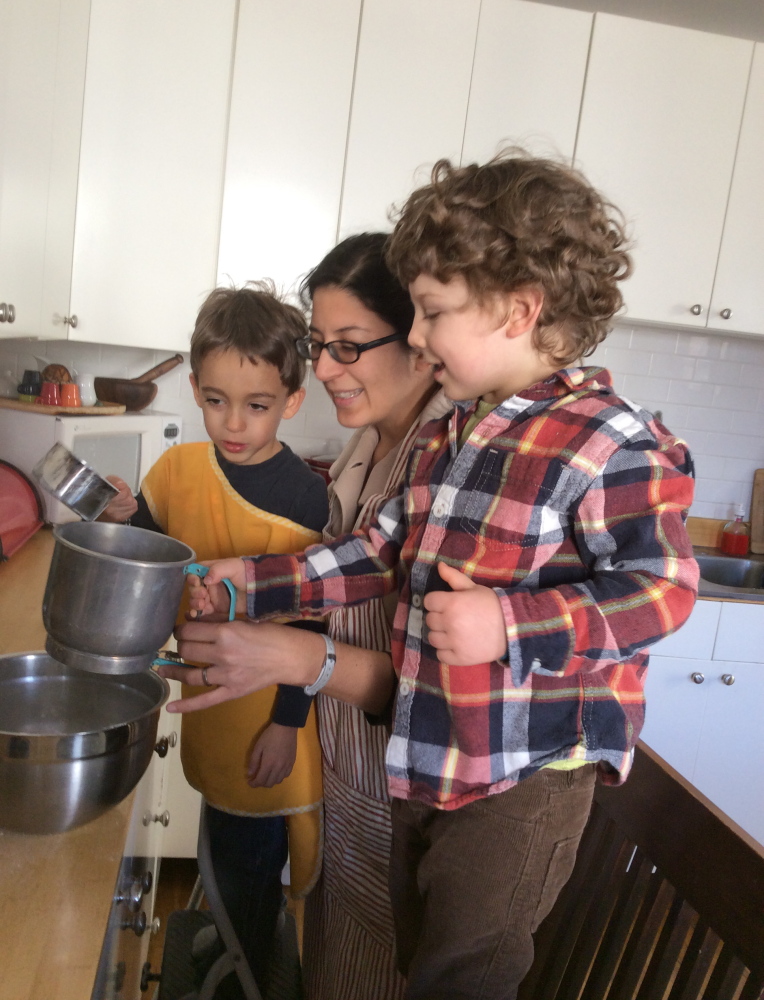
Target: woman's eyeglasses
{"type": "Point", "coordinates": [343, 351]}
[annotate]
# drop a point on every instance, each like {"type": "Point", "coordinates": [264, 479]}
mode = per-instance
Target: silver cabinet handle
{"type": "Point", "coordinates": [697, 677]}
{"type": "Point", "coordinates": [697, 309]}
{"type": "Point", "coordinates": [725, 313]}
{"type": "Point", "coordinates": [728, 679]}
{"type": "Point", "coordinates": [3, 312]}
{"type": "Point", "coordinates": [71, 321]}
{"type": "Point", "coordinates": [163, 818]}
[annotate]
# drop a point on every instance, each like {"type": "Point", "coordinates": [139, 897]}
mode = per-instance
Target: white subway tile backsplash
{"type": "Point", "coordinates": [718, 372]}
{"type": "Point", "coordinates": [699, 345]}
{"type": "Point", "coordinates": [709, 388]}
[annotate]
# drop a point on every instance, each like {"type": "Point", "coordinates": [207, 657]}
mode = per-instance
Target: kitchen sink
{"type": "Point", "coordinates": [741, 575]}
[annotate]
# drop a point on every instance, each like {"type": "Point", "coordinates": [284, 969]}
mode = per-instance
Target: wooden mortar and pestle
{"type": "Point", "coordinates": [134, 393]}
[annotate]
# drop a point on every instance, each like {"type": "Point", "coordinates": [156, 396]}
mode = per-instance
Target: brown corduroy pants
{"type": "Point", "coordinates": [470, 886]}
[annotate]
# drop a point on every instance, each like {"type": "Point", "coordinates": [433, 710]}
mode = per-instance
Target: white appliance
{"type": "Point", "coordinates": [124, 445]}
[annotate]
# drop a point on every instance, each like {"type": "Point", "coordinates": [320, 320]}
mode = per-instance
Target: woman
{"type": "Point", "coordinates": [360, 320]}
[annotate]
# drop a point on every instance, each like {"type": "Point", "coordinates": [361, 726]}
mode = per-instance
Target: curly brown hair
{"type": "Point", "coordinates": [256, 323]}
{"type": "Point", "coordinates": [517, 221]}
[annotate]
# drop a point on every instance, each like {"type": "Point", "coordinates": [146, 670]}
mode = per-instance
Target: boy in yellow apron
{"type": "Point", "coordinates": [256, 760]}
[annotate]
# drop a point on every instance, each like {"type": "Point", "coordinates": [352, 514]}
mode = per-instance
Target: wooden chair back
{"type": "Point", "coordinates": [666, 900]}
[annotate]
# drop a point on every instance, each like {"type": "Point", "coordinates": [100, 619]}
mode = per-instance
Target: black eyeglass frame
{"type": "Point", "coordinates": [305, 346]}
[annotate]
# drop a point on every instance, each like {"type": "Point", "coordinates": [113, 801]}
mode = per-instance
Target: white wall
{"type": "Point", "coordinates": [709, 388]}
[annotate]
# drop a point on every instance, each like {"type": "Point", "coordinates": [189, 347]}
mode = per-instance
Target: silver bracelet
{"type": "Point", "coordinates": [326, 667]}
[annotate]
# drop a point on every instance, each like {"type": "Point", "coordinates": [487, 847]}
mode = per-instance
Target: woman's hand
{"type": "Point", "coordinates": [209, 596]}
{"type": "Point", "coordinates": [273, 756]}
{"type": "Point", "coordinates": [466, 625]}
{"type": "Point", "coordinates": [123, 506]}
{"type": "Point", "coordinates": [243, 657]}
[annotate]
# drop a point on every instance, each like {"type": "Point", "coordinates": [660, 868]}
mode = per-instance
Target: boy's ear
{"type": "Point", "coordinates": [522, 310]}
{"type": "Point", "coordinates": [293, 404]}
{"type": "Point", "coordinates": [195, 389]}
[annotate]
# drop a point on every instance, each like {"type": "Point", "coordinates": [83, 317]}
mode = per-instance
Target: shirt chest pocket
{"type": "Point", "coordinates": [508, 500]}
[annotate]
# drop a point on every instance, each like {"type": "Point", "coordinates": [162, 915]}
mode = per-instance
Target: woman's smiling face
{"type": "Point", "coordinates": [385, 384]}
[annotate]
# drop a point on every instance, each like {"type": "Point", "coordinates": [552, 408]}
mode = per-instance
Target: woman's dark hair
{"type": "Point", "coordinates": [358, 266]}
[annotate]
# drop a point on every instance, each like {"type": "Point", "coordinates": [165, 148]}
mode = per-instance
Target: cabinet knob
{"type": "Point", "coordinates": [725, 313]}
{"type": "Point", "coordinates": [163, 818]}
{"type": "Point", "coordinates": [71, 321]}
{"type": "Point", "coordinates": [3, 312]}
{"type": "Point", "coordinates": [137, 925]}
{"type": "Point", "coordinates": [697, 677]}
{"type": "Point", "coordinates": [697, 309]}
{"type": "Point", "coordinates": [11, 312]}
{"type": "Point", "coordinates": [728, 679]}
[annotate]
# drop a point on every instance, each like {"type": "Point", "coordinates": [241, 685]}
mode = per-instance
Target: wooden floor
{"type": "Point", "coordinates": [177, 877]}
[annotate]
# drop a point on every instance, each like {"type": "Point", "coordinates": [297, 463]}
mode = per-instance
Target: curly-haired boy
{"type": "Point", "coordinates": [539, 547]}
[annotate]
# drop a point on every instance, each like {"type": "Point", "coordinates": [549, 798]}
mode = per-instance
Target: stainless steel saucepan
{"type": "Point", "coordinates": [112, 595]}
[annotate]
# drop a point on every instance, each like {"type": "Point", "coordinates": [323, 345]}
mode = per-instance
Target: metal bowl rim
{"type": "Point", "coordinates": [148, 564]}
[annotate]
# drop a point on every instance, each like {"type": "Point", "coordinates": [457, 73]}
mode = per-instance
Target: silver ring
{"type": "Point", "coordinates": [204, 677]}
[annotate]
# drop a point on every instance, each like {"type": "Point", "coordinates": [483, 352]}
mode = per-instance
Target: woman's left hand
{"type": "Point", "coordinates": [241, 657]}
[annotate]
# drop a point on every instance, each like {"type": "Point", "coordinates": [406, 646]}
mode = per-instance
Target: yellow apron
{"type": "Point", "coordinates": [190, 499]}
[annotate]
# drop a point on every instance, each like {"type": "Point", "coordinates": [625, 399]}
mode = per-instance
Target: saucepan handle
{"type": "Point", "coordinates": [198, 570]}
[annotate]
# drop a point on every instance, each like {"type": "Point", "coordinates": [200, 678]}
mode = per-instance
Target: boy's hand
{"type": "Point", "coordinates": [123, 506]}
{"type": "Point", "coordinates": [209, 596]}
{"type": "Point", "coordinates": [273, 756]}
{"type": "Point", "coordinates": [465, 626]}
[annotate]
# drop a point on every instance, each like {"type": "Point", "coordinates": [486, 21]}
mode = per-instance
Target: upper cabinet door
{"type": "Point", "coordinates": [528, 79]}
{"type": "Point", "coordinates": [28, 47]}
{"type": "Point", "coordinates": [151, 169]}
{"type": "Point", "coordinates": [409, 102]}
{"type": "Point", "coordinates": [292, 83]}
{"type": "Point", "coordinates": [738, 301]}
{"type": "Point", "coordinates": [659, 126]}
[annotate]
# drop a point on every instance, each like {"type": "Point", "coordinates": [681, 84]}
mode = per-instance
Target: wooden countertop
{"type": "Point", "coordinates": [55, 890]}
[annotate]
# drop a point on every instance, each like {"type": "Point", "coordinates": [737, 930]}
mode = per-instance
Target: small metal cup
{"type": "Point", "coordinates": [74, 483]}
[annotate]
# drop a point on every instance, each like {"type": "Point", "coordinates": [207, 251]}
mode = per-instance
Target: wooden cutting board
{"type": "Point", "coordinates": [757, 513]}
{"type": "Point", "coordinates": [102, 410]}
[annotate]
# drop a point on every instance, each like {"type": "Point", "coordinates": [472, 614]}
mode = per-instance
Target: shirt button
{"type": "Point", "coordinates": [439, 509]}
{"type": "Point", "coordinates": [416, 600]}
{"type": "Point", "coordinates": [403, 689]}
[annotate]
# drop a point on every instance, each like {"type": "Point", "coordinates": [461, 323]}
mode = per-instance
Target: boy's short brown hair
{"type": "Point", "coordinates": [256, 323]}
{"type": "Point", "coordinates": [519, 221]}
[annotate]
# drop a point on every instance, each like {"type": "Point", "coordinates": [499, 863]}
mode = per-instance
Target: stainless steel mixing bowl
{"type": "Point", "coordinates": [72, 744]}
{"type": "Point", "coordinates": [112, 595]}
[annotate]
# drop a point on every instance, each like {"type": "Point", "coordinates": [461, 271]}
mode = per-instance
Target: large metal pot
{"type": "Point", "coordinates": [112, 595]}
{"type": "Point", "coordinates": [72, 744]}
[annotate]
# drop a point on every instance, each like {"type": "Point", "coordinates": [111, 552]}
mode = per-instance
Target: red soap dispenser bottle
{"type": "Point", "coordinates": [735, 534]}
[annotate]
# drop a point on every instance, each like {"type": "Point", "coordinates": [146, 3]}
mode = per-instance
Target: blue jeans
{"type": "Point", "coordinates": [248, 855]}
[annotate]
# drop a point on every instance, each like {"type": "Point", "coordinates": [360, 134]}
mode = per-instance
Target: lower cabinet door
{"type": "Point", "coordinates": [676, 692]}
{"type": "Point", "coordinates": [729, 768]}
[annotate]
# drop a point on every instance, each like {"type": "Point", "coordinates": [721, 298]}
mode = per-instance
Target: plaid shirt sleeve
{"type": "Point", "coordinates": [629, 527]}
{"type": "Point", "coordinates": [349, 571]}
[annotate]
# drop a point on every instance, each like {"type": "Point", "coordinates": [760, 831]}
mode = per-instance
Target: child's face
{"type": "Point", "coordinates": [476, 350]}
{"type": "Point", "coordinates": [243, 404]}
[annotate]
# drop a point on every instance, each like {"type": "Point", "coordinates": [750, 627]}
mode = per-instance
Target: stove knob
{"type": "Point", "coordinates": [137, 925]}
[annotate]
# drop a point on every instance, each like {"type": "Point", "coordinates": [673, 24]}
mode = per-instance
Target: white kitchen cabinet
{"type": "Point", "coordinates": [660, 121]}
{"type": "Point", "coordinates": [290, 104]}
{"type": "Point", "coordinates": [704, 710]}
{"type": "Point", "coordinates": [151, 169]}
{"type": "Point", "coordinates": [738, 298]}
{"type": "Point", "coordinates": [181, 802]}
{"type": "Point", "coordinates": [527, 80]}
{"type": "Point", "coordinates": [42, 71]}
{"type": "Point", "coordinates": [409, 105]}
